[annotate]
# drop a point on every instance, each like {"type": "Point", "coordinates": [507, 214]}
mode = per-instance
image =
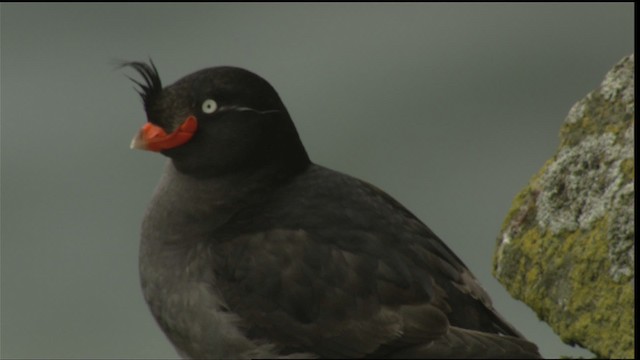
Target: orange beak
{"type": "Point", "coordinates": [153, 138]}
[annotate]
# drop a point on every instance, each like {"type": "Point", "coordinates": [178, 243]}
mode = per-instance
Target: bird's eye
{"type": "Point", "coordinates": [209, 106]}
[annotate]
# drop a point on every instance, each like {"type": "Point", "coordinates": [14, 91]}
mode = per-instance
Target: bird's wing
{"type": "Point", "coordinates": [354, 275]}
{"type": "Point", "coordinates": [472, 305]}
{"type": "Point", "coordinates": [307, 294]}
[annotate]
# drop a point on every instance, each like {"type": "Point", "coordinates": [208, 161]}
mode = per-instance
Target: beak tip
{"type": "Point", "coordinates": [137, 143]}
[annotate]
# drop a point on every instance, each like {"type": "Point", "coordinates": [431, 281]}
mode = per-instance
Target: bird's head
{"type": "Point", "coordinates": [215, 121]}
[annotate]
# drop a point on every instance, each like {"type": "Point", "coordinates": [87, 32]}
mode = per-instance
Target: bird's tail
{"type": "Point", "coordinates": [471, 344]}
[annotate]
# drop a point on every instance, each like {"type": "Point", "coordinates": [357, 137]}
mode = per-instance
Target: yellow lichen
{"type": "Point", "coordinates": [586, 296]}
{"type": "Point", "coordinates": [627, 167]}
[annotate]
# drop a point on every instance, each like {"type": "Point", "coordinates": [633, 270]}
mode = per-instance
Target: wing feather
{"type": "Point", "coordinates": [373, 281]}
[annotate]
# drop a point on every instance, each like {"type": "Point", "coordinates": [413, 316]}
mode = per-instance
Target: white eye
{"type": "Point", "coordinates": [209, 106]}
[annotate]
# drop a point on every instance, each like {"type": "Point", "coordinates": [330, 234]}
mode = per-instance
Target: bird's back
{"type": "Point", "coordinates": [328, 263]}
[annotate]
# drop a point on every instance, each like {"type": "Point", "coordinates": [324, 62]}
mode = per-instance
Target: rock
{"type": "Point", "coordinates": [566, 247]}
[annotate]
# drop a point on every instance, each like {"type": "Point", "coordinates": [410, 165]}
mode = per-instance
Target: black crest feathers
{"type": "Point", "coordinates": [152, 86]}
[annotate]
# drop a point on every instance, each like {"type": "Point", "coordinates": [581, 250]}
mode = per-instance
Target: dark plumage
{"type": "Point", "coordinates": [152, 86]}
{"type": "Point", "coordinates": [251, 250]}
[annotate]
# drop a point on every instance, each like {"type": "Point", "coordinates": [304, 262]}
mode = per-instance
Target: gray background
{"type": "Point", "coordinates": [450, 108]}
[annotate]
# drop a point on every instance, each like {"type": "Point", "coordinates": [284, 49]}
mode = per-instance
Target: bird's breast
{"type": "Point", "coordinates": [177, 275]}
{"type": "Point", "coordinates": [180, 290]}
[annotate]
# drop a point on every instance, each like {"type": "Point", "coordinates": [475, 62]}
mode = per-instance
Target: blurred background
{"type": "Point", "coordinates": [450, 108]}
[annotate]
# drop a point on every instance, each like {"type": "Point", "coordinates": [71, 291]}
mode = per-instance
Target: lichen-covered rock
{"type": "Point", "coordinates": [567, 245]}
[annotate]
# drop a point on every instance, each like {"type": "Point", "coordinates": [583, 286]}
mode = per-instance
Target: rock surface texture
{"type": "Point", "coordinates": [566, 247]}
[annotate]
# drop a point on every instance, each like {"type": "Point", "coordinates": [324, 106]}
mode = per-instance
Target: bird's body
{"type": "Point", "coordinates": [250, 250]}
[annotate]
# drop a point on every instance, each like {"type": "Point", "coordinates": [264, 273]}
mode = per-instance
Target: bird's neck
{"type": "Point", "coordinates": [216, 198]}
{"type": "Point", "coordinates": [279, 169]}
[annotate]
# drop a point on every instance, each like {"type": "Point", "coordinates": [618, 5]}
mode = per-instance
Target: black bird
{"type": "Point", "coordinates": [250, 250]}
